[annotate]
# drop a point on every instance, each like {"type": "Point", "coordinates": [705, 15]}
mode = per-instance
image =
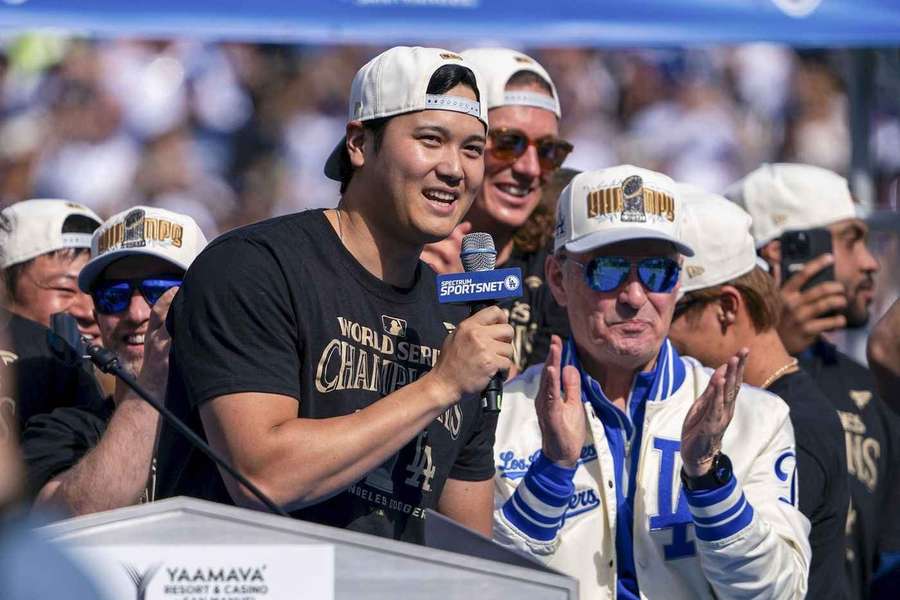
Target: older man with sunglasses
{"type": "Point", "coordinates": [523, 151]}
{"type": "Point", "coordinates": [79, 462]}
{"type": "Point", "coordinates": [620, 462]}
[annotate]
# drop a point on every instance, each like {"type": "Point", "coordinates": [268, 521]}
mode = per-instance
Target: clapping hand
{"type": "Point", "coordinates": [559, 409]}
{"type": "Point", "coordinates": [709, 416]}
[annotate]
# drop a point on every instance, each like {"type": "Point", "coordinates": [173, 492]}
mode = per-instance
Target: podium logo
{"type": "Point", "coordinates": [141, 580]}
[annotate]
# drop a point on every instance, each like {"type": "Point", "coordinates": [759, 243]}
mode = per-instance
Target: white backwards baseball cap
{"type": "Point", "coordinates": [599, 208]}
{"type": "Point", "coordinates": [784, 197]}
{"type": "Point", "coordinates": [497, 65]}
{"type": "Point", "coordinates": [143, 230]}
{"type": "Point", "coordinates": [36, 227]}
{"type": "Point", "coordinates": [396, 82]}
{"type": "Point", "coordinates": [719, 233]}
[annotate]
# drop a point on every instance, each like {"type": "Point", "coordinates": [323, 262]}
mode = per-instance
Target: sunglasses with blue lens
{"type": "Point", "coordinates": [657, 274]}
{"type": "Point", "coordinates": [114, 295]}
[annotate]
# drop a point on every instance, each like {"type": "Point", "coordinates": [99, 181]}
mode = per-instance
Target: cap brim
{"type": "Point", "coordinates": [333, 164]}
{"type": "Point", "coordinates": [721, 278]}
{"type": "Point", "coordinates": [598, 239]}
{"type": "Point", "coordinates": [95, 266]}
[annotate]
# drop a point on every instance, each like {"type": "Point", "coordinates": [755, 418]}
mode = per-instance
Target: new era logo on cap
{"type": "Point", "coordinates": [694, 271]}
{"type": "Point", "coordinates": [620, 203]}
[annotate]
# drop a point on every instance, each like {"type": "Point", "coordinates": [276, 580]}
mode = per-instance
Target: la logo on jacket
{"type": "Point", "coordinates": [677, 517]}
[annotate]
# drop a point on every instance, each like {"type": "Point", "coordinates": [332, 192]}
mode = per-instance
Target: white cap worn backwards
{"type": "Point", "coordinates": [396, 82]}
{"type": "Point", "coordinates": [620, 203]}
{"type": "Point", "coordinates": [143, 230]}
{"type": "Point", "coordinates": [719, 233]}
{"type": "Point", "coordinates": [784, 197]}
{"type": "Point", "coordinates": [497, 65]}
{"type": "Point", "coordinates": [35, 228]}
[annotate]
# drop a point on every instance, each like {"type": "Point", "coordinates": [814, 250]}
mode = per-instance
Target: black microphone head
{"type": "Point", "coordinates": [478, 252]}
{"type": "Point", "coordinates": [64, 339]}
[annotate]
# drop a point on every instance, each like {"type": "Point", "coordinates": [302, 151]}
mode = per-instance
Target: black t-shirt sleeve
{"type": "Point", "coordinates": [476, 459]}
{"type": "Point", "coordinates": [234, 311]}
{"type": "Point", "coordinates": [54, 442]}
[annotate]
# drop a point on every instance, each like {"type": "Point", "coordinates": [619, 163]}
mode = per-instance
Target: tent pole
{"type": "Point", "coordinates": [861, 88]}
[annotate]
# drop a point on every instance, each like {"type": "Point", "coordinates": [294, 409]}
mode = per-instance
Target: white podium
{"type": "Point", "coordinates": [190, 549]}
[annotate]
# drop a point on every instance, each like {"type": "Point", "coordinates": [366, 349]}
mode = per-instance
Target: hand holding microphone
{"type": "Point", "coordinates": [477, 353]}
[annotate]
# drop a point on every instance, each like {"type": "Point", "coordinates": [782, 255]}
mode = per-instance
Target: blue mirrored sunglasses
{"type": "Point", "coordinates": [608, 273]}
{"type": "Point", "coordinates": [114, 295]}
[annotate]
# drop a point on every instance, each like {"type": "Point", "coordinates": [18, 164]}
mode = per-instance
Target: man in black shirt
{"type": "Point", "coordinates": [310, 349]}
{"type": "Point", "coordinates": [783, 197]}
{"type": "Point", "coordinates": [81, 461]}
{"type": "Point", "coordinates": [523, 152]}
{"type": "Point", "coordinates": [730, 302]}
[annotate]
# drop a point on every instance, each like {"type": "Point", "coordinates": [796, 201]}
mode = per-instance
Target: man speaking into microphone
{"type": "Point", "coordinates": [311, 349]}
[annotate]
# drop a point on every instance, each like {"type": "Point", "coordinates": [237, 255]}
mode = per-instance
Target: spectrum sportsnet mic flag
{"type": "Point", "coordinates": [478, 286]}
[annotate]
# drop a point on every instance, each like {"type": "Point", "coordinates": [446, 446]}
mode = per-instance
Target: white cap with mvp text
{"type": "Point", "coordinates": [143, 230]}
{"type": "Point", "coordinates": [620, 203]}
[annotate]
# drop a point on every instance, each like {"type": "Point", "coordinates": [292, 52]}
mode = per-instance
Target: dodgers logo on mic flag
{"type": "Point", "coordinates": [477, 286]}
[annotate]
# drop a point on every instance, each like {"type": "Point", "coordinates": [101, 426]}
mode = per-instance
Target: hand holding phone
{"type": "Point", "coordinates": [798, 248]}
{"type": "Point", "coordinates": [811, 299]}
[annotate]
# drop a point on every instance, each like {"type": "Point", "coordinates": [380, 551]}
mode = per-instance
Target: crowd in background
{"type": "Point", "coordinates": [234, 133]}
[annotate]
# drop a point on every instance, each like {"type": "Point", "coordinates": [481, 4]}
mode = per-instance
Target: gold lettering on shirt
{"type": "Point", "coordinates": [863, 453]}
{"type": "Point", "coordinates": [365, 358]}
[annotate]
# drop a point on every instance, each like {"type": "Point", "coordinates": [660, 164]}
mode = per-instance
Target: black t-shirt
{"type": "Point", "coordinates": [535, 316]}
{"type": "Point", "coordinates": [871, 433]}
{"type": "Point", "coordinates": [54, 442]}
{"type": "Point", "coordinates": [822, 475]}
{"type": "Point", "coordinates": [43, 382]}
{"type": "Point", "coordinates": [282, 307]}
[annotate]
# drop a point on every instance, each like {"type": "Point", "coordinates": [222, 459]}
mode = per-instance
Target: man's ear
{"type": "Point", "coordinates": [356, 143]}
{"type": "Point", "coordinates": [553, 269]}
{"type": "Point", "coordinates": [771, 253]}
{"type": "Point", "coordinates": [729, 306]}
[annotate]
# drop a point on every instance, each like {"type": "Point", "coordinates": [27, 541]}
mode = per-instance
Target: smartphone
{"type": "Point", "coordinates": [798, 247]}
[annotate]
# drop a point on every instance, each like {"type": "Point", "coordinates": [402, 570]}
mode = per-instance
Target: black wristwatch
{"type": "Point", "coordinates": [718, 475]}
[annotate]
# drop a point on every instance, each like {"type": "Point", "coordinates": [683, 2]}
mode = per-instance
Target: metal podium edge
{"type": "Point", "coordinates": [69, 530]}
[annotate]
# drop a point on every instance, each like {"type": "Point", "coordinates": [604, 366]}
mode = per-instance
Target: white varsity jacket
{"type": "Point", "coordinates": [745, 540]}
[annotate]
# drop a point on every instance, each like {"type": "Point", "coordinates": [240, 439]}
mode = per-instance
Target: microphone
{"type": "Point", "coordinates": [481, 286]}
{"type": "Point", "coordinates": [69, 347]}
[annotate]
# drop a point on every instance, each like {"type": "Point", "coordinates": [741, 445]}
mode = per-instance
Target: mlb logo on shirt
{"type": "Point", "coordinates": [393, 325]}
